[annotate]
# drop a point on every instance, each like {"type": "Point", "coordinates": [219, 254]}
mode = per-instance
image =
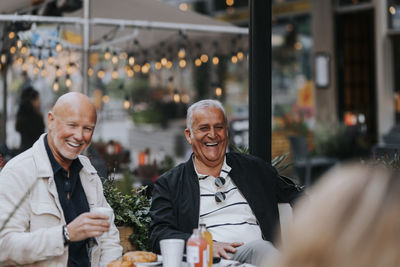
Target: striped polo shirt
{"type": "Point", "coordinates": [231, 220]}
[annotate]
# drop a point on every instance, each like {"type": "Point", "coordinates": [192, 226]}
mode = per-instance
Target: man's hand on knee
{"type": "Point", "coordinates": [221, 249]}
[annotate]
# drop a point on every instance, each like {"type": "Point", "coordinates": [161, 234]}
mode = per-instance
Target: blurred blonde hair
{"type": "Point", "coordinates": [351, 219]}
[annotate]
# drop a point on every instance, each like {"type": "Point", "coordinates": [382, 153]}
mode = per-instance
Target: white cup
{"type": "Point", "coordinates": [172, 252]}
{"type": "Point", "coordinates": [107, 211]}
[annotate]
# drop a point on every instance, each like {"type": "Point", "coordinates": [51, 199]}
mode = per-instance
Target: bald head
{"type": "Point", "coordinates": [75, 101]}
{"type": "Point", "coordinates": [71, 125]}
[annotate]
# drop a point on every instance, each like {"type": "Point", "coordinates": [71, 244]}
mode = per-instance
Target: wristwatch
{"type": "Point", "coordinates": [65, 233]}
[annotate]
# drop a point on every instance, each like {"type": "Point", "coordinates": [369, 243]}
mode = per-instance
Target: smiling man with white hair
{"type": "Point", "coordinates": [54, 225]}
{"type": "Point", "coordinates": [234, 194]}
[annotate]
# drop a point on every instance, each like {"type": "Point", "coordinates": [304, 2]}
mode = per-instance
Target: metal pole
{"type": "Point", "coordinates": [4, 121]}
{"type": "Point", "coordinates": [260, 79]}
{"type": "Point", "coordinates": [85, 46]}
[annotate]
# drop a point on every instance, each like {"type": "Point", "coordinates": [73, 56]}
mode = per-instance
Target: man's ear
{"type": "Point", "coordinates": [50, 119]}
{"type": "Point", "coordinates": [188, 136]}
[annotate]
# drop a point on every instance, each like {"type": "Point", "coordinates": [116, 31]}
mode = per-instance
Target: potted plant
{"type": "Point", "coordinates": [131, 215]}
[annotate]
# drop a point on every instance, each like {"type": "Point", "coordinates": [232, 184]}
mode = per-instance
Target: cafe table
{"type": "Point", "coordinates": [222, 263]}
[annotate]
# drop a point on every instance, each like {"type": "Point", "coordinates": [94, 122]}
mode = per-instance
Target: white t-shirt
{"type": "Point", "coordinates": [231, 220]}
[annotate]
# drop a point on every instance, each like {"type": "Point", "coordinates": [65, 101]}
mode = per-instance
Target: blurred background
{"type": "Point", "coordinates": [335, 92]}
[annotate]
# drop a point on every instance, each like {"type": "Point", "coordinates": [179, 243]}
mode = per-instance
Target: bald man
{"type": "Point", "coordinates": [54, 225]}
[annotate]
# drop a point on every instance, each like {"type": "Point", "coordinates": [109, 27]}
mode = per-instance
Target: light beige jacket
{"type": "Point", "coordinates": [33, 235]}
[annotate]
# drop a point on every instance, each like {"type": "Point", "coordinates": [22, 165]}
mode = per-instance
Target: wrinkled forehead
{"type": "Point", "coordinates": [74, 112]}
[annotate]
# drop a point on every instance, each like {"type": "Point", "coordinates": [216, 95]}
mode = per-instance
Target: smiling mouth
{"type": "Point", "coordinates": [211, 144]}
{"type": "Point", "coordinates": [75, 145]}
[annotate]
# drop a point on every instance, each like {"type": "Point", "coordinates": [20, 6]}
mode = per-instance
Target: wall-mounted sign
{"type": "Point", "coordinates": [322, 75]}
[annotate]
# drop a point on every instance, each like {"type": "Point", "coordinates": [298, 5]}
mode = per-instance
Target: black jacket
{"type": "Point", "coordinates": [176, 199]}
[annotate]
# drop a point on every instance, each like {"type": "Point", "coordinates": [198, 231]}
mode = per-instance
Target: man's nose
{"type": "Point", "coordinates": [211, 133]}
{"type": "Point", "coordinates": [78, 134]}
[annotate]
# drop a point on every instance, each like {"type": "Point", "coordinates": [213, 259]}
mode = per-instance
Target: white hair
{"type": "Point", "coordinates": [203, 104]}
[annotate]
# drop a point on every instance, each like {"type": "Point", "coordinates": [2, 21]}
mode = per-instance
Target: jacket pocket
{"type": "Point", "coordinates": [44, 215]}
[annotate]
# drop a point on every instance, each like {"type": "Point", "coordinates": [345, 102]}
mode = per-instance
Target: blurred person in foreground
{"type": "Point", "coordinates": [54, 225]}
{"type": "Point", "coordinates": [352, 219]}
{"type": "Point", "coordinates": [235, 195]}
{"type": "Point", "coordinates": [29, 122]}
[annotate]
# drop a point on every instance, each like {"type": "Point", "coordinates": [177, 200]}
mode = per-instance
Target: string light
{"type": "Point", "coordinates": [164, 61]}
{"type": "Point", "coordinates": [40, 63]}
{"type": "Point", "coordinates": [70, 68]}
{"type": "Point", "coordinates": [185, 98]}
{"type": "Point", "coordinates": [59, 47]}
{"type": "Point", "coordinates": [131, 60]}
{"type": "Point", "coordinates": [169, 64]}
{"type": "Point", "coordinates": [100, 73]}
{"type": "Point", "coordinates": [145, 68]}
{"type": "Point", "coordinates": [131, 73]}
{"type": "Point", "coordinates": [19, 44]}
{"type": "Point", "coordinates": [68, 81]}
{"type": "Point", "coordinates": [90, 72]}
{"type": "Point", "coordinates": [105, 99]}
{"type": "Point", "coordinates": [107, 54]}
{"type": "Point", "coordinates": [182, 52]}
{"type": "Point", "coordinates": [218, 91]}
{"type": "Point", "coordinates": [3, 58]}
{"type": "Point", "coordinates": [197, 62]}
{"type": "Point", "coordinates": [215, 60]}
{"type": "Point", "coordinates": [182, 63]}
{"type": "Point", "coordinates": [13, 49]}
{"type": "Point", "coordinates": [11, 35]}
{"type": "Point", "coordinates": [114, 58]}
{"type": "Point", "coordinates": [127, 103]}
{"type": "Point", "coordinates": [158, 65]}
{"type": "Point", "coordinates": [56, 85]}
{"type": "Point", "coordinates": [58, 71]}
{"type": "Point", "coordinates": [20, 60]}
{"type": "Point", "coordinates": [114, 74]}
{"type": "Point", "coordinates": [240, 55]}
{"type": "Point", "coordinates": [123, 56]}
{"type": "Point", "coordinates": [24, 50]}
{"type": "Point", "coordinates": [229, 2]}
{"type": "Point", "coordinates": [35, 70]}
{"type": "Point", "coordinates": [183, 6]}
{"type": "Point", "coordinates": [50, 60]}
{"type": "Point", "coordinates": [234, 59]}
{"type": "Point", "coordinates": [137, 68]}
{"type": "Point", "coordinates": [31, 58]}
{"type": "Point", "coordinates": [204, 58]}
{"type": "Point", "coordinates": [44, 72]}
{"type": "Point", "coordinates": [24, 66]}
{"type": "Point", "coordinates": [177, 97]}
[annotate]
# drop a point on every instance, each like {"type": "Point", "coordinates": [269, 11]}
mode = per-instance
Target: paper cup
{"type": "Point", "coordinates": [172, 252]}
{"type": "Point", "coordinates": [107, 211]}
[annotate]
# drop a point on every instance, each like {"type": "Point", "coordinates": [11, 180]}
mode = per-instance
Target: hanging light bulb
{"type": "Point", "coordinates": [24, 66]}
{"type": "Point", "coordinates": [58, 71]}
{"type": "Point", "coordinates": [13, 49]}
{"type": "Point", "coordinates": [56, 85]}
{"type": "Point", "coordinates": [182, 63]}
{"type": "Point", "coordinates": [70, 68]}
{"type": "Point", "coordinates": [234, 59]}
{"type": "Point", "coordinates": [158, 65]}
{"type": "Point", "coordinates": [35, 70]}
{"type": "Point", "coordinates": [127, 103]}
{"type": "Point", "coordinates": [131, 60]}
{"type": "Point", "coordinates": [177, 97]}
{"type": "Point", "coordinates": [240, 55]}
{"type": "Point", "coordinates": [197, 62]}
{"type": "Point", "coordinates": [229, 2]}
{"type": "Point", "coordinates": [59, 47]}
{"type": "Point", "coordinates": [164, 61]}
{"type": "Point", "coordinates": [215, 60]}
{"type": "Point", "coordinates": [100, 73]}
{"type": "Point", "coordinates": [3, 58]}
{"type": "Point", "coordinates": [114, 74]}
{"type": "Point", "coordinates": [23, 50]}
{"type": "Point", "coordinates": [137, 68]}
{"type": "Point", "coordinates": [185, 98]}
{"type": "Point", "coordinates": [50, 59]}
{"type": "Point", "coordinates": [31, 58]}
{"type": "Point", "coordinates": [20, 60]}
{"type": "Point", "coordinates": [19, 44]}
{"type": "Point", "coordinates": [11, 35]}
{"type": "Point", "coordinates": [145, 68]}
{"type": "Point", "coordinates": [218, 91]}
{"type": "Point", "coordinates": [131, 73]}
{"type": "Point", "coordinates": [123, 55]}
{"type": "Point", "coordinates": [169, 64]}
{"type": "Point", "coordinates": [40, 63]}
{"type": "Point", "coordinates": [68, 81]}
{"type": "Point", "coordinates": [181, 52]}
{"type": "Point", "coordinates": [204, 58]}
{"type": "Point", "coordinates": [44, 72]}
{"type": "Point", "coordinates": [90, 71]}
{"type": "Point", "coordinates": [114, 58]}
{"type": "Point", "coordinates": [107, 54]}
{"type": "Point", "coordinates": [105, 99]}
